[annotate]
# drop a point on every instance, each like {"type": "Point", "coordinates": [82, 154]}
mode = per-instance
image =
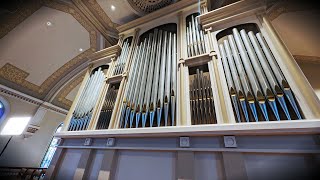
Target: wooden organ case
{"type": "Point", "coordinates": [195, 90]}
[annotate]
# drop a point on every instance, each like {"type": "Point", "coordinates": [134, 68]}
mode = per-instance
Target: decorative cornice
{"type": "Point", "coordinates": [307, 59]}
{"type": "Point", "coordinates": [24, 97]}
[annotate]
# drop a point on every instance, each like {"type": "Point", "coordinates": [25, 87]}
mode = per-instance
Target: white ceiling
{"type": "Point", "coordinates": [40, 49]}
{"type": "Point", "coordinates": [123, 12]}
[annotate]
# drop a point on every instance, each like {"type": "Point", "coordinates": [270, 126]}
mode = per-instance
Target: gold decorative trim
{"type": "Point", "coordinates": [307, 59]}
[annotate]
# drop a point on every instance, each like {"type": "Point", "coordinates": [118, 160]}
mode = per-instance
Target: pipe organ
{"type": "Point", "coordinates": [188, 69]}
{"type": "Point", "coordinates": [187, 90]}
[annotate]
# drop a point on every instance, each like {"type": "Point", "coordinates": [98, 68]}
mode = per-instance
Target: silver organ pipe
{"type": "Point", "coordinates": [107, 108]}
{"type": "Point", "coordinates": [254, 79]}
{"type": "Point", "coordinates": [122, 59]}
{"type": "Point", "coordinates": [84, 108]}
{"type": "Point", "coordinates": [151, 88]}
{"type": "Point", "coordinates": [195, 38]}
{"type": "Point", "coordinates": [201, 99]}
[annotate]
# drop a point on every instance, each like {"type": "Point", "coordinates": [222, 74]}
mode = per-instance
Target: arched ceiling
{"type": "Point", "coordinates": [42, 48]}
{"type": "Point", "coordinates": [47, 61]}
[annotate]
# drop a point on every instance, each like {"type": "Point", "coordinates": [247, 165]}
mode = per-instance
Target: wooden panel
{"type": "Point", "coordinates": [145, 165]}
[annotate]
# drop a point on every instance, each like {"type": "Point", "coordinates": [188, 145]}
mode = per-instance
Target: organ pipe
{"type": "Point", "coordinates": [107, 108]}
{"type": "Point", "coordinates": [195, 38]}
{"type": "Point", "coordinates": [201, 99]}
{"type": "Point", "coordinates": [151, 88]}
{"type": "Point", "coordinates": [254, 78]}
{"type": "Point", "coordinates": [122, 59]}
{"type": "Point", "coordinates": [84, 108]}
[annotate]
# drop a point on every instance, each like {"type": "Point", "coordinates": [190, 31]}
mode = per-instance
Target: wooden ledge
{"type": "Point", "coordinates": [104, 53]}
{"type": "Point", "coordinates": [114, 79]}
{"type": "Point", "coordinates": [231, 12]}
{"type": "Point", "coordinates": [197, 60]}
{"type": "Point", "coordinates": [254, 128]}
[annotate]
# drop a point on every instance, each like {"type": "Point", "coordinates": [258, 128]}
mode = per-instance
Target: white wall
{"type": "Point", "coordinates": [28, 152]}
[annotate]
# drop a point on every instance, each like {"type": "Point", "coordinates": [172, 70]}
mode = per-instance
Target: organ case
{"type": "Point", "coordinates": [191, 68]}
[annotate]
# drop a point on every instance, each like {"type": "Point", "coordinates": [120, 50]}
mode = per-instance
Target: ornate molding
{"type": "Point", "coordinates": [15, 94]}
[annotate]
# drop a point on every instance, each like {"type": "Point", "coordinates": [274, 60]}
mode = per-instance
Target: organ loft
{"type": "Point", "coordinates": [194, 90]}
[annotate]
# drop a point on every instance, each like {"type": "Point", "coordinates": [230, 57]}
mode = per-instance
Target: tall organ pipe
{"type": "Point", "coordinates": [268, 74]}
{"type": "Point", "coordinates": [195, 38]}
{"type": "Point", "coordinates": [84, 108]}
{"type": "Point", "coordinates": [122, 59]}
{"type": "Point", "coordinates": [150, 91]}
{"type": "Point", "coordinates": [280, 77]}
{"type": "Point", "coordinates": [250, 68]}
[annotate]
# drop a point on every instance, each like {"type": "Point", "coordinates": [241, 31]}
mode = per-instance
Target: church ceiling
{"type": "Point", "coordinates": [35, 61]}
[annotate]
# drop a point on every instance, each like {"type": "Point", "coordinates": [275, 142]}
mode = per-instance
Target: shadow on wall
{"type": "Point", "coordinates": [311, 71]}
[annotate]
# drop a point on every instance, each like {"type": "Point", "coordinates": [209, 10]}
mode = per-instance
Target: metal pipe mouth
{"type": "Point", "coordinates": [241, 96]}
{"type": "Point", "coordinates": [270, 95]}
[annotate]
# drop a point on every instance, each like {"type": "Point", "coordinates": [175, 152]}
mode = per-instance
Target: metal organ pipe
{"type": "Point", "coordinates": [201, 99]}
{"type": "Point", "coordinates": [122, 59]}
{"type": "Point", "coordinates": [195, 38]}
{"type": "Point", "coordinates": [84, 108]}
{"type": "Point", "coordinates": [253, 77]}
{"type": "Point", "coordinates": [153, 84]}
{"type": "Point", "coordinates": [278, 74]}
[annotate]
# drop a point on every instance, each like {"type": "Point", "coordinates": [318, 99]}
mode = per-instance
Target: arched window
{"type": "Point", "coordinates": [51, 150]}
{"type": "Point", "coordinates": [2, 109]}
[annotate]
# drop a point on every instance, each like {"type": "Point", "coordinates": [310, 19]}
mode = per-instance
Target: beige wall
{"type": "Point", "coordinates": [28, 152]}
{"type": "Point", "coordinates": [312, 72]}
{"type": "Point", "coordinates": [300, 32]}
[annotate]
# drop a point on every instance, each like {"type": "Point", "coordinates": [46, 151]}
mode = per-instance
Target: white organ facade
{"type": "Point", "coordinates": [195, 93]}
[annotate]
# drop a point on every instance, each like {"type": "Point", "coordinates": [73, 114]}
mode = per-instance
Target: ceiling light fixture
{"type": "Point", "coordinates": [49, 23]}
{"type": "Point", "coordinates": [113, 7]}
{"type": "Point", "coordinates": [80, 49]}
